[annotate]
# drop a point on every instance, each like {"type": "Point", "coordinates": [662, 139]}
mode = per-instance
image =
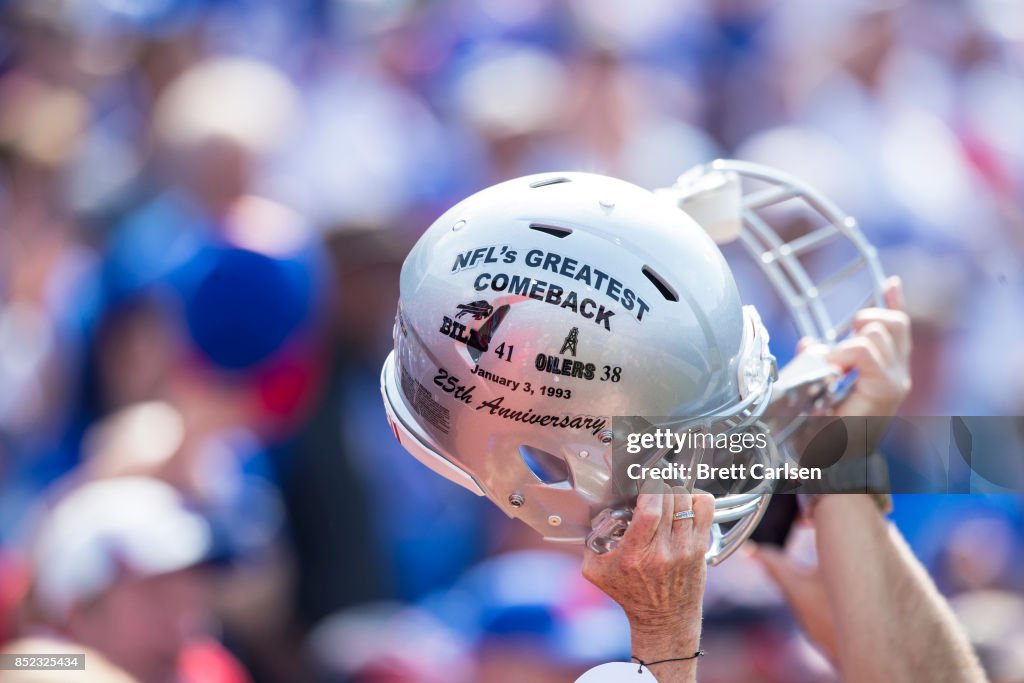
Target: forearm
{"type": "Point", "coordinates": [891, 622]}
{"type": "Point", "coordinates": [655, 643]}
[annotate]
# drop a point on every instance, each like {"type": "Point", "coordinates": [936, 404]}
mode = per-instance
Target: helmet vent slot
{"type": "Point", "coordinates": [547, 467]}
{"type": "Point", "coordinates": [549, 181]}
{"type": "Point", "coordinates": [663, 287]}
{"type": "Point", "coordinates": [552, 230]}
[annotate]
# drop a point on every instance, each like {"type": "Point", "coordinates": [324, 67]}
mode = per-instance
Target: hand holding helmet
{"type": "Point", "coordinates": [879, 351]}
{"type": "Point", "coordinates": [657, 571]}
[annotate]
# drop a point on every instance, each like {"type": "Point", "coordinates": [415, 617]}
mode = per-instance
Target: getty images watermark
{"type": "Point", "coordinates": [923, 454]}
{"type": "Point", "coordinates": [671, 443]}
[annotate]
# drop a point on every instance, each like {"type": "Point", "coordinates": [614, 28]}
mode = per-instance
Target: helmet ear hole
{"type": "Point", "coordinates": [547, 467]}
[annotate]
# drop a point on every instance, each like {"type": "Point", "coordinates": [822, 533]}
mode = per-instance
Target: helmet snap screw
{"type": "Point", "coordinates": [606, 436]}
{"type": "Point", "coordinates": [554, 520]}
{"type": "Point", "coordinates": [584, 454]}
{"type": "Point", "coordinates": [516, 500]}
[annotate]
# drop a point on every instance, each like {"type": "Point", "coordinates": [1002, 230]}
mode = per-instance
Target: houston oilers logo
{"type": "Point", "coordinates": [570, 341]}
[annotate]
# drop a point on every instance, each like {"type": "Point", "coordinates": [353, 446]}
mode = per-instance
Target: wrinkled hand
{"type": "Point", "coordinates": [879, 351]}
{"type": "Point", "coordinates": [658, 570]}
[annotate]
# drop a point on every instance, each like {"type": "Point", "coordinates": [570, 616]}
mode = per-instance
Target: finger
{"type": "Point", "coordinates": [896, 322]}
{"type": "Point", "coordinates": [646, 516]}
{"type": "Point", "coordinates": [664, 531]}
{"type": "Point", "coordinates": [811, 352]}
{"type": "Point", "coordinates": [593, 567]}
{"type": "Point", "coordinates": [811, 345]}
{"type": "Point", "coordinates": [879, 335]}
{"type": "Point", "coordinates": [894, 293]}
{"type": "Point", "coordinates": [681, 528]}
{"type": "Point", "coordinates": [703, 517]}
{"type": "Point", "coordinates": [782, 569]}
{"type": "Point", "coordinates": [858, 354]}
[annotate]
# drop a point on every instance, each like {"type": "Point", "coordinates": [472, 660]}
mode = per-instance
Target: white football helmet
{"type": "Point", "coordinates": [534, 311]}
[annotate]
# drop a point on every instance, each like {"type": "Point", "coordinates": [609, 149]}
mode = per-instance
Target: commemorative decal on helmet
{"type": "Point", "coordinates": [478, 340]}
{"type": "Point", "coordinates": [570, 342]}
{"type": "Point", "coordinates": [561, 364]}
{"type": "Point", "coordinates": [548, 292]}
{"type": "Point", "coordinates": [478, 309]}
{"type": "Point", "coordinates": [439, 416]}
{"type": "Point", "coordinates": [497, 408]}
{"type": "Point", "coordinates": [474, 257]}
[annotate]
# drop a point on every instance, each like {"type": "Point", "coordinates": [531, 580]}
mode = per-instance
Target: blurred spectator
{"type": "Point", "coordinates": [98, 668]}
{"type": "Point", "coordinates": [388, 643]}
{"type": "Point", "coordinates": [14, 579]}
{"type": "Point", "coordinates": [994, 621]}
{"type": "Point", "coordinates": [745, 615]}
{"type": "Point", "coordinates": [422, 532]}
{"type": "Point", "coordinates": [117, 567]}
{"type": "Point", "coordinates": [530, 615]}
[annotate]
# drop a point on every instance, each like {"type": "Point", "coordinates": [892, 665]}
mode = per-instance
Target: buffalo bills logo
{"type": "Point", "coordinates": [478, 309]}
{"type": "Point", "coordinates": [478, 339]}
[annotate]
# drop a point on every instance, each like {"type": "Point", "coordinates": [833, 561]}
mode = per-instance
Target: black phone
{"type": "Point", "coordinates": [778, 520]}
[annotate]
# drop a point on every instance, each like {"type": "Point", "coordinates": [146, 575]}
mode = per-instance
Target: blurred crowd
{"type": "Point", "coordinates": [204, 207]}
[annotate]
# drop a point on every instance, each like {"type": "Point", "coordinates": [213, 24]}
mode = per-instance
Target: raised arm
{"type": "Point", "coordinates": [657, 576]}
{"type": "Point", "coordinates": [891, 622]}
{"type": "Point", "coordinates": [870, 604]}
